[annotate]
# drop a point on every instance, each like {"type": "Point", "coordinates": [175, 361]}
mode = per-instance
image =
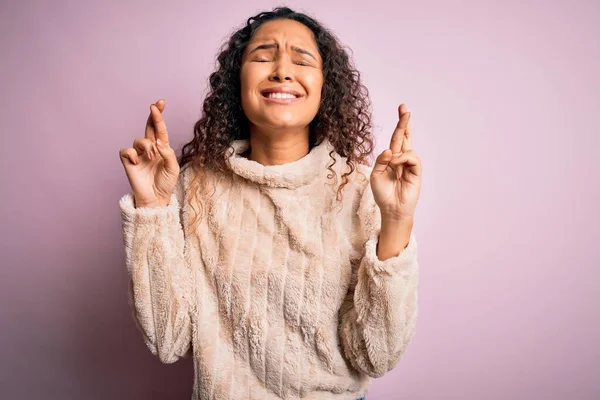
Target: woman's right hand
{"type": "Point", "coordinates": [151, 164]}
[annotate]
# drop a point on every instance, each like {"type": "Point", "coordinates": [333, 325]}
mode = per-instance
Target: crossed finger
{"type": "Point", "coordinates": [397, 143]}
{"type": "Point", "coordinates": [406, 161]}
{"type": "Point", "coordinates": [407, 143]}
{"type": "Point", "coordinates": [150, 132]}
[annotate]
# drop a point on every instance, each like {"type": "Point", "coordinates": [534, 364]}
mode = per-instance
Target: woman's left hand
{"type": "Point", "coordinates": [396, 176]}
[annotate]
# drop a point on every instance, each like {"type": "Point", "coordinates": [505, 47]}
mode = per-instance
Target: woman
{"type": "Point", "coordinates": [269, 251]}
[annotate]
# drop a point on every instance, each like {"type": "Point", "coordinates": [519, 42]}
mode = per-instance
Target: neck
{"type": "Point", "coordinates": [277, 148]}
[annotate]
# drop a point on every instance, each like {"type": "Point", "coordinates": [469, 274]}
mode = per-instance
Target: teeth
{"type": "Point", "coordinates": [281, 96]}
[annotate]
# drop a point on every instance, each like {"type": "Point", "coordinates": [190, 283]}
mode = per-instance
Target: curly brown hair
{"type": "Point", "coordinates": [344, 115]}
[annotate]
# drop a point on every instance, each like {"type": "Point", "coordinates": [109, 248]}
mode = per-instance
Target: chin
{"type": "Point", "coordinates": [281, 125]}
{"type": "Point", "coordinates": [281, 122]}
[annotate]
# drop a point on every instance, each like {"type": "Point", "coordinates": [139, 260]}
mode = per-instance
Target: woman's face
{"type": "Point", "coordinates": [283, 55]}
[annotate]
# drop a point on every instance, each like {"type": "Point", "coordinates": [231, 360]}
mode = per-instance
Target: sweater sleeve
{"type": "Point", "coordinates": [160, 280]}
{"type": "Point", "coordinates": [379, 315]}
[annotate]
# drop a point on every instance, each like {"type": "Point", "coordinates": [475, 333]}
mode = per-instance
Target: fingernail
{"type": "Point", "coordinates": [159, 143]}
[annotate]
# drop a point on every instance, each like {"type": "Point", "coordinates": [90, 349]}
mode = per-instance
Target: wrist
{"type": "Point", "coordinates": [394, 236]}
{"type": "Point", "coordinates": [150, 204]}
{"type": "Point", "coordinates": [395, 220]}
{"type": "Point", "coordinates": [396, 229]}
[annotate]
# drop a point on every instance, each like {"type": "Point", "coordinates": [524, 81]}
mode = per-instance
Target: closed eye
{"type": "Point", "coordinates": [303, 63]}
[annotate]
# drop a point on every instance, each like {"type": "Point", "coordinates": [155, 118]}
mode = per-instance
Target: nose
{"type": "Point", "coordinates": [281, 73]}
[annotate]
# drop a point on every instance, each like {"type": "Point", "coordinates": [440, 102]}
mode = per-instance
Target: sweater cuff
{"type": "Point", "coordinates": [399, 264]}
{"type": "Point", "coordinates": [149, 215]}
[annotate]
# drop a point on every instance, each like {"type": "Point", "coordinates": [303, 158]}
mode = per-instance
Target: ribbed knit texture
{"type": "Point", "coordinates": [279, 292]}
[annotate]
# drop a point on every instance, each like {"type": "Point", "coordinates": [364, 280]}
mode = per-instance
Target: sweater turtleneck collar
{"type": "Point", "coordinates": [289, 175]}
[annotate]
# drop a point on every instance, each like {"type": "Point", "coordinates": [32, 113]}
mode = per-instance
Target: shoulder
{"type": "Point", "coordinates": [191, 180]}
{"type": "Point", "coordinates": [367, 208]}
{"type": "Point", "coordinates": [360, 173]}
{"type": "Point", "coordinates": [358, 181]}
{"type": "Point", "coordinates": [356, 193]}
{"type": "Point", "coordinates": [357, 198]}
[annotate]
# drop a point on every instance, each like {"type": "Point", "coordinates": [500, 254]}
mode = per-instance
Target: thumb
{"type": "Point", "coordinates": [168, 155]}
{"type": "Point", "coordinates": [382, 162]}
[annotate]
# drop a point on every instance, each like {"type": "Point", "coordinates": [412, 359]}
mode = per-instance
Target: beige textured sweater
{"type": "Point", "coordinates": [278, 293]}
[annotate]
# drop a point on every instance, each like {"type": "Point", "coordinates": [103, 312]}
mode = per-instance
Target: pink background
{"type": "Point", "coordinates": [505, 110]}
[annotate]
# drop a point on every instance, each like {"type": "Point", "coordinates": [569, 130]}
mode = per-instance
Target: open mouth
{"type": "Point", "coordinates": [280, 94]}
{"type": "Point", "coordinates": [272, 95]}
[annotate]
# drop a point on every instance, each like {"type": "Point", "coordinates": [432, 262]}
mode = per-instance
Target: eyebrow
{"type": "Point", "coordinates": [276, 46]}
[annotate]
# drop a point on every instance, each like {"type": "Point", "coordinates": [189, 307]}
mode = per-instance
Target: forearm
{"type": "Point", "coordinates": [394, 236]}
{"type": "Point", "coordinates": [160, 281]}
{"type": "Point", "coordinates": [380, 311]}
